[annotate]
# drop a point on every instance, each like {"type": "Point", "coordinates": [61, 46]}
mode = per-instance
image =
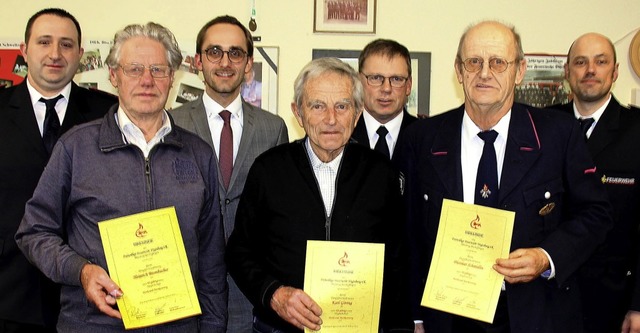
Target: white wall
{"type": "Point", "coordinates": [546, 26]}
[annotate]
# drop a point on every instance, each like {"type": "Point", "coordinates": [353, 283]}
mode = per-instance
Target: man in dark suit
{"type": "Point", "coordinates": [607, 279]}
{"type": "Point", "coordinates": [319, 188]}
{"type": "Point", "coordinates": [52, 51]}
{"type": "Point", "coordinates": [545, 175]}
{"type": "Point", "coordinates": [224, 55]}
{"type": "Point", "coordinates": [385, 73]}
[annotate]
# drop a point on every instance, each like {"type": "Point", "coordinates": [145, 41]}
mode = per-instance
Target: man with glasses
{"type": "Point", "coordinates": [497, 153]}
{"type": "Point", "coordinates": [29, 128]}
{"type": "Point", "coordinates": [385, 73]}
{"type": "Point", "coordinates": [132, 160]}
{"type": "Point", "coordinates": [237, 130]}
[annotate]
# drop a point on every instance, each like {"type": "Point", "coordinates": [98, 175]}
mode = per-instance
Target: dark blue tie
{"type": "Point", "coordinates": [51, 125]}
{"type": "Point", "coordinates": [382, 145]}
{"type": "Point", "coordinates": [585, 124]}
{"type": "Point", "coordinates": [486, 191]}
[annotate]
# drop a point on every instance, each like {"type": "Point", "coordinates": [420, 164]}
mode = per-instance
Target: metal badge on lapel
{"type": "Point", "coordinates": [546, 209]}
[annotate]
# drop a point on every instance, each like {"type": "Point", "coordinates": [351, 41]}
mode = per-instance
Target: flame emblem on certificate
{"type": "Point", "coordinates": [140, 232]}
{"type": "Point", "coordinates": [344, 260]}
{"type": "Point", "coordinates": [475, 223]}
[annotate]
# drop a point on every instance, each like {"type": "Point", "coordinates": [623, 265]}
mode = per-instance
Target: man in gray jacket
{"type": "Point", "coordinates": [224, 53]}
{"type": "Point", "coordinates": [133, 160]}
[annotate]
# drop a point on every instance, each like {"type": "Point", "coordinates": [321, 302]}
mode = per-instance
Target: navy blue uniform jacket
{"type": "Point", "coordinates": [545, 152]}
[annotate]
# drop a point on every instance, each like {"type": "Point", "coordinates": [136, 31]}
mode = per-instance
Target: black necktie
{"type": "Point", "coordinates": [226, 149]}
{"type": "Point", "coordinates": [585, 124]}
{"type": "Point", "coordinates": [381, 145]}
{"type": "Point", "coordinates": [486, 191]}
{"type": "Point", "coordinates": [51, 125]}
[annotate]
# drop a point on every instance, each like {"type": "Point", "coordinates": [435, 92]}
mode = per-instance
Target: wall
{"type": "Point", "coordinates": [546, 26]}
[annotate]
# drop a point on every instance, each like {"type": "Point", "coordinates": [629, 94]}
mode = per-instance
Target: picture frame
{"type": "Point", "coordinates": [345, 16]}
{"type": "Point", "coordinates": [543, 84]}
{"type": "Point", "coordinates": [419, 99]}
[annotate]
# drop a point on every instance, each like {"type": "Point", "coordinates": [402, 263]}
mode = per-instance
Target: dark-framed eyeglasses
{"type": "Point", "coordinates": [497, 65]}
{"type": "Point", "coordinates": [137, 70]}
{"type": "Point", "coordinates": [214, 54]}
{"type": "Point", "coordinates": [395, 81]}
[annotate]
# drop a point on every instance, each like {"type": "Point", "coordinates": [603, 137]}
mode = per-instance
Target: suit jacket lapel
{"type": "Point", "coordinates": [607, 126]}
{"type": "Point", "coordinates": [248, 131]}
{"type": "Point", "coordinates": [445, 153]}
{"type": "Point", "coordinates": [75, 109]}
{"type": "Point", "coordinates": [23, 116]}
{"type": "Point", "coordinates": [522, 149]}
{"type": "Point", "coordinates": [360, 132]}
{"type": "Point", "coordinates": [198, 115]}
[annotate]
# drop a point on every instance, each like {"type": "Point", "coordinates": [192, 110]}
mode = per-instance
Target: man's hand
{"type": "Point", "coordinates": [631, 323]}
{"type": "Point", "coordinates": [296, 307]}
{"type": "Point", "coordinates": [523, 265]}
{"type": "Point", "coordinates": [100, 289]}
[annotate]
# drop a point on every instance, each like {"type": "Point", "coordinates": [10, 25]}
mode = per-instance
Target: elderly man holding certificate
{"type": "Point", "coordinates": [341, 196]}
{"type": "Point", "coordinates": [156, 184]}
{"type": "Point", "coordinates": [512, 157]}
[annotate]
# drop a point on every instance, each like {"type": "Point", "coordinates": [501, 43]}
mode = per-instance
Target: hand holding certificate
{"type": "Point", "coordinates": [147, 259]}
{"type": "Point", "coordinates": [345, 279]}
{"type": "Point", "coordinates": [461, 278]}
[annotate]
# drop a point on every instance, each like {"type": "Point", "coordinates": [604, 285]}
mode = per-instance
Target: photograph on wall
{"type": "Point", "coordinates": [543, 84]}
{"type": "Point", "coordinates": [251, 90]}
{"type": "Point", "coordinates": [91, 60]}
{"type": "Point", "coordinates": [418, 100]}
{"type": "Point", "coordinates": [345, 16]}
{"type": "Point", "coordinates": [13, 68]}
{"type": "Point", "coordinates": [187, 93]}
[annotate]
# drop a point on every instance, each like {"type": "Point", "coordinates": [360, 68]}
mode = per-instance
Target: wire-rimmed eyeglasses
{"type": "Point", "coordinates": [395, 81]}
{"type": "Point", "coordinates": [137, 70]}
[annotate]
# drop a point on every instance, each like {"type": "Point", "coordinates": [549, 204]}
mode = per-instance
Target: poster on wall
{"type": "Point", "coordinates": [13, 68]}
{"type": "Point", "coordinates": [543, 84]}
{"type": "Point", "coordinates": [260, 87]}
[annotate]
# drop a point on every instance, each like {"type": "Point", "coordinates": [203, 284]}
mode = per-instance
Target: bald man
{"type": "Point", "coordinates": [545, 176]}
{"type": "Point", "coordinates": [608, 279]}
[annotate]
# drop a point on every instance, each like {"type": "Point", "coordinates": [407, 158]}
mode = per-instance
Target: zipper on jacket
{"type": "Point", "coordinates": [147, 174]}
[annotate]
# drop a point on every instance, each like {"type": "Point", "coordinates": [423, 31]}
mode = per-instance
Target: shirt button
{"type": "Point", "coordinates": [426, 197]}
{"type": "Point", "coordinates": [547, 195]}
{"type": "Point", "coordinates": [227, 201]}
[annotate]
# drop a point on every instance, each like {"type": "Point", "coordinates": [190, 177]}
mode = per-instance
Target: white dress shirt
{"type": "Point", "coordinates": [325, 174]}
{"type": "Point", "coordinates": [213, 110]}
{"type": "Point", "coordinates": [132, 133]}
{"type": "Point", "coordinates": [40, 108]}
{"type": "Point", "coordinates": [596, 115]}
{"type": "Point", "coordinates": [393, 126]}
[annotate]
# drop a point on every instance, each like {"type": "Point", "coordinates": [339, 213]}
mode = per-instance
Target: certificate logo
{"type": "Point", "coordinates": [344, 260]}
{"type": "Point", "coordinates": [475, 223]}
{"type": "Point", "coordinates": [140, 232]}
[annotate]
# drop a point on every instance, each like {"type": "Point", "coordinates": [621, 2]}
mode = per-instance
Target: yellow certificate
{"type": "Point", "coordinates": [147, 259]}
{"type": "Point", "coordinates": [345, 279]}
{"type": "Point", "coordinates": [461, 278]}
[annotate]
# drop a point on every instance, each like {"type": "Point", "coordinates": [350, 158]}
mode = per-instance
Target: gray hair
{"type": "Point", "coordinates": [150, 30]}
{"type": "Point", "coordinates": [321, 66]}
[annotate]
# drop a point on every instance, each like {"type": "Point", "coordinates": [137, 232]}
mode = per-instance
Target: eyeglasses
{"type": "Point", "coordinates": [215, 54]}
{"type": "Point", "coordinates": [137, 70]}
{"type": "Point", "coordinates": [497, 65]}
{"type": "Point", "coordinates": [378, 80]}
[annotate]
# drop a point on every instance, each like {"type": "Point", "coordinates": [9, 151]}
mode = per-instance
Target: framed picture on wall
{"type": "Point", "coordinates": [345, 16]}
{"type": "Point", "coordinates": [418, 101]}
{"type": "Point", "coordinates": [543, 84]}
